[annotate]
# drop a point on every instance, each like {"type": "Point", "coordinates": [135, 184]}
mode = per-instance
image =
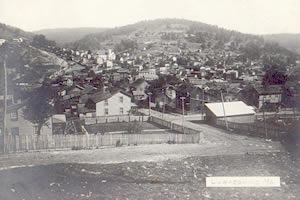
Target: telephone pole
{"type": "Point", "coordinates": [149, 96]}
{"type": "Point", "coordinates": [182, 99]}
{"type": "Point", "coordinates": [5, 105]}
{"type": "Point", "coordinates": [202, 103]}
{"type": "Point", "coordinates": [224, 110]}
{"type": "Point", "coordinates": [266, 132]}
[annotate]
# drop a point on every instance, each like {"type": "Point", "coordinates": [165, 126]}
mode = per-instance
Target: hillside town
{"type": "Point", "coordinates": [103, 83]}
{"type": "Point", "coordinates": [207, 91]}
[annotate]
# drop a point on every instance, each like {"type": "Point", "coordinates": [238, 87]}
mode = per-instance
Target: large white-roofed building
{"type": "Point", "coordinates": [236, 111]}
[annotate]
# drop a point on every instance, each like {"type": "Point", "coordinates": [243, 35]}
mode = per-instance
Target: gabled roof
{"type": "Point", "coordinates": [185, 88]}
{"type": "Point", "coordinates": [59, 118]}
{"type": "Point", "coordinates": [235, 108]}
{"type": "Point", "coordinates": [101, 96]}
{"type": "Point", "coordinates": [137, 83]}
{"type": "Point", "coordinates": [272, 89]}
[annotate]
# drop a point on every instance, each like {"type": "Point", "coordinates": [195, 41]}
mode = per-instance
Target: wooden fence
{"type": "Point", "coordinates": [116, 118]}
{"type": "Point", "coordinates": [173, 126]}
{"type": "Point", "coordinates": [255, 129]}
{"type": "Point", "coordinates": [27, 143]}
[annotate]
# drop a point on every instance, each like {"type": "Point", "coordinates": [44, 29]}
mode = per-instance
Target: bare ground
{"type": "Point", "coordinates": [168, 179]}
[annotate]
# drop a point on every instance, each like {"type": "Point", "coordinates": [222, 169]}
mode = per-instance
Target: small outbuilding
{"type": "Point", "coordinates": [236, 111]}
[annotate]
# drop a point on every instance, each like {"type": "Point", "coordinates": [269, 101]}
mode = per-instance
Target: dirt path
{"type": "Point", "coordinates": [159, 152]}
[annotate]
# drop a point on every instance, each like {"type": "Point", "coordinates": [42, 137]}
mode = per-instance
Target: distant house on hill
{"type": "Point", "coordinates": [236, 111]}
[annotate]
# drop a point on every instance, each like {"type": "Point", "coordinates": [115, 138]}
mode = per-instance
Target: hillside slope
{"type": "Point", "coordinates": [168, 35]}
{"type": "Point", "coordinates": [25, 62]}
{"type": "Point", "coordinates": [67, 35]}
{"type": "Point", "coordinates": [9, 32]}
{"type": "Point", "coordinates": [289, 41]}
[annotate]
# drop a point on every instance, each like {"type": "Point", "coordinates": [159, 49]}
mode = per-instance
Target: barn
{"type": "Point", "coordinates": [236, 111]}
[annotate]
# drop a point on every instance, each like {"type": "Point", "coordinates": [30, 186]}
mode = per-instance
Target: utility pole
{"type": "Point", "coordinates": [149, 96]}
{"type": "Point", "coordinates": [202, 103]}
{"type": "Point", "coordinates": [182, 99]}
{"type": "Point", "coordinates": [266, 132]}
{"type": "Point", "coordinates": [5, 105]}
{"type": "Point", "coordinates": [224, 110]}
{"type": "Point", "coordinates": [164, 108]}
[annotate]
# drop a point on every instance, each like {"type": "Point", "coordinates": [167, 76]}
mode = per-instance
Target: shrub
{"type": "Point", "coordinates": [77, 148]}
{"type": "Point", "coordinates": [118, 143]}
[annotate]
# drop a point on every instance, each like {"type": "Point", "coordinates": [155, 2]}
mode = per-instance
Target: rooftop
{"type": "Point", "coordinates": [272, 89]}
{"type": "Point", "coordinates": [234, 108]}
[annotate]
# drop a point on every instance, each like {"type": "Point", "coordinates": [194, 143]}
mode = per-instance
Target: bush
{"type": "Point", "coordinates": [77, 148]}
{"type": "Point", "coordinates": [118, 143]}
{"type": "Point", "coordinates": [171, 142]}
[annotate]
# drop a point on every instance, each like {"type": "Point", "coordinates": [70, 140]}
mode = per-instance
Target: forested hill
{"type": "Point", "coordinates": [289, 41]}
{"type": "Point", "coordinates": [66, 35]}
{"type": "Point", "coordinates": [183, 34]}
{"type": "Point", "coordinates": [9, 32]}
{"type": "Point", "coordinates": [25, 55]}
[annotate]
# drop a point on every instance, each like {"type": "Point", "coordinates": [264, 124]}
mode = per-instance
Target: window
{"type": "Point", "coordinates": [106, 102]}
{"type": "Point", "coordinates": [35, 129]}
{"type": "Point", "coordinates": [73, 106]}
{"type": "Point", "coordinates": [9, 102]}
{"type": "Point", "coordinates": [121, 110]}
{"type": "Point", "coordinates": [15, 131]}
{"type": "Point", "coordinates": [67, 110]}
{"type": "Point", "coordinates": [106, 111]}
{"type": "Point", "coordinates": [14, 115]}
{"type": "Point", "coordinates": [197, 97]}
{"type": "Point", "coordinates": [121, 99]}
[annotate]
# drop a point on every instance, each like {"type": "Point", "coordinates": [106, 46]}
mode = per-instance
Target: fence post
{"type": "Point", "coordinates": [26, 141]}
{"type": "Point", "coordinates": [96, 142]}
{"type": "Point", "coordinates": [17, 143]}
{"type": "Point", "coordinates": [87, 141]}
{"type": "Point", "coordinates": [111, 142]}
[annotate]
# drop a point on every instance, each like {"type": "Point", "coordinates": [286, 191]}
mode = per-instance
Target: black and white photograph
{"type": "Point", "coordinates": [149, 99]}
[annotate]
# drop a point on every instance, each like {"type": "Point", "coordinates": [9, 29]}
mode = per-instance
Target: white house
{"type": "Point", "coordinates": [116, 103]}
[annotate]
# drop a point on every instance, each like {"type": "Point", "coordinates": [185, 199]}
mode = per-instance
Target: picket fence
{"type": "Point", "coordinates": [27, 143]}
{"type": "Point", "coordinates": [117, 118]}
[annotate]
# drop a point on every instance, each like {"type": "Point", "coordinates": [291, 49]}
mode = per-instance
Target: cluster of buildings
{"type": "Point", "coordinates": [105, 83]}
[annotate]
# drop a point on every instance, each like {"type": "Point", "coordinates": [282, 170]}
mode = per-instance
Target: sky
{"type": "Point", "coordinates": [247, 16]}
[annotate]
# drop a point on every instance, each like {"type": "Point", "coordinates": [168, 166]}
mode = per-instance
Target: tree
{"type": "Point", "coordinates": [274, 76]}
{"type": "Point", "coordinates": [41, 41]}
{"type": "Point", "coordinates": [38, 108]}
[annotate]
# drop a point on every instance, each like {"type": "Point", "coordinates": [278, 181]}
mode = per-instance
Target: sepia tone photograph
{"type": "Point", "coordinates": [149, 99]}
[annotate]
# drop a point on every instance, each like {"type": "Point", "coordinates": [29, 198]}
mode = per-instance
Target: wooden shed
{"type": "Point", "coordinates": [236, 111]}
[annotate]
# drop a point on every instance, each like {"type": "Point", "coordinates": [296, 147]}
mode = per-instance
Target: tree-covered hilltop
{"type": "Point", "coordinates": [10, 32]}
{"type": "Point", "coordinates": [165, 34]}
{"type": "Point", "coordinates": [287, 40]}
{"type": "Point", "coordinates": [66, 35]}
